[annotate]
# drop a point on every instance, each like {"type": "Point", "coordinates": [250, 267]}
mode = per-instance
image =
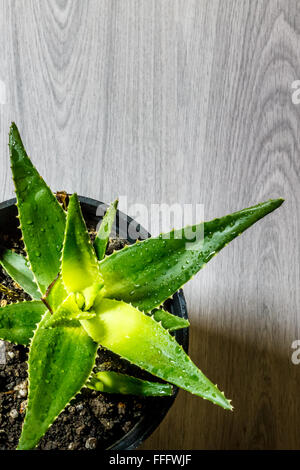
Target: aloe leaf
{"type": "Point", "coordinates": [147, 273]}
{"type": "Point", "coordinates": [42, 219]}
{"type": "Point", "coordinates": [18, 321]}
{"type": "Point", "coordinates": [60, 362]}
{"type": "Point", "coordinates": [114, 382]}
{"type": "Point", "coordinates": [137, 337]}
{"type": "Point", "coordinates": [17, 267]}
{"type": "Point", "coordinates": [169, 321]}
{"type": "Point", "coordinates": [80, 267]}
{"type": "Point", "coordinates": [104, 231]}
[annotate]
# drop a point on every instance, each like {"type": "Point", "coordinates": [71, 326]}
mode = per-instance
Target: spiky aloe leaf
{"type": "Point", "coordinates": [60, 362]}
{"type": "Point", "coordinates": [114, 382]}
{"type": "Point", "coordinates": [80, 270]}
{"type": "Point", "coordinates": [126, 331]}
{"type": "Point", "coordinates": [18, 321]}
{"type": "Point", "coordinates": [147, 273]}
{"type": "Point", "coordinates": [104, 231]}
{"type": "Point", "coordinates": [17, 267]}
{"type": "Point", "coordinates": [42, 219]}
{"type": "Point", "coordinates": [169, 321]}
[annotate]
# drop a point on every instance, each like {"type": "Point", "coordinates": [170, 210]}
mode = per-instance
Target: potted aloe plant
{"type": "Point", "coordinates": [82, 300]}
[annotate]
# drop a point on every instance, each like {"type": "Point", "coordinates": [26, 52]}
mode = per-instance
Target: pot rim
{"type": "Point", "coordinates": [149, 422]}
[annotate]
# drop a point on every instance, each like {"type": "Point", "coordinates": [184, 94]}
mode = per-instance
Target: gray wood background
{"type": "Point", "coordinates": [183, 101]}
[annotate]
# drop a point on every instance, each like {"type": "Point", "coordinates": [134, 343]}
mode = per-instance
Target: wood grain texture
{"type": "Point", "coordinates": [183, 101]}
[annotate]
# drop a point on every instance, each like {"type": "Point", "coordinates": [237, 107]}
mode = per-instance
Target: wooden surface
{"type": "Point", "coordinates": [181, 101]}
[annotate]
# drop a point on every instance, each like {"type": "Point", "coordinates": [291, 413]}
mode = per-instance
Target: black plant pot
{"type": "Point", "coordinates": [154, 416]}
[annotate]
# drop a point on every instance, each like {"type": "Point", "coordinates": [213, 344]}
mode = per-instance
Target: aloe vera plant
{"type": "Point", "coordinates": [82, 299]}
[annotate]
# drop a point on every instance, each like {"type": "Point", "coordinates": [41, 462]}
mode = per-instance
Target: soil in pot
{"type": "Point", "coordinates": [92, 420]}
